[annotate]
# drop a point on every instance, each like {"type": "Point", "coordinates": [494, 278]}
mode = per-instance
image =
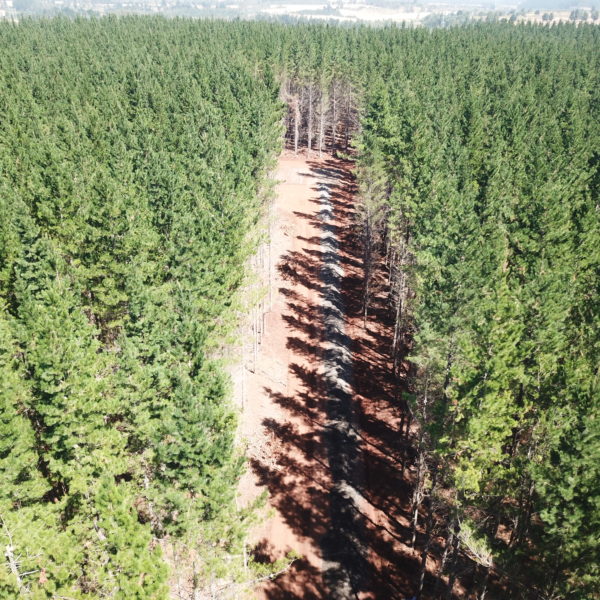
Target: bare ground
{"type": "Point", "coordinates": [322, 413]}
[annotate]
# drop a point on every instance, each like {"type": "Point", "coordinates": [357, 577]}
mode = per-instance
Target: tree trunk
{"type": "Point", "coordinates": [368, 262]}
{"type": "Point", "coordinates": [347, 122]}
{"type": "Point", "coordinates": [428, 535]}
{"type": "Point", "coordinates": [415, 523]}
{"type": "Point", "coordinates": [397, 323]}
{"type": "Point", "coordinates": [409, 417]}
{"type": "Point", "coordinates": [296, 108]}
{"type": "Point", "coordinates": [484, 583]}
{"type": "Point", "coordinates": [309, 125]}
{"type": "Point", "coordinates": [391, 261]}
{"type": "Point", "coordinates": [555, 573]}
{"type": "Point", "coordinates": [447, 553]}
{"type": "Point", "coordinates": [334, 117]}
{"type": "Point", "coordinates": [322, 116]}
{"type": "Point", "coordinates": [452, 563]}
{"type": "Point", "coordinates": [423, 568]}
{"type": "Point", "coordinates": [417, 494]}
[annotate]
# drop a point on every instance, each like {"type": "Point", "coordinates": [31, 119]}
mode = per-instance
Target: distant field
{"type": "Point", "coordinates": [416, 15]}
{"type": "Point", "coordinates": [354, 12]}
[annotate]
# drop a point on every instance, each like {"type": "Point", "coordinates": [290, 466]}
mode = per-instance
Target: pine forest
{"type": "Point", "coordinates": [136, 176]}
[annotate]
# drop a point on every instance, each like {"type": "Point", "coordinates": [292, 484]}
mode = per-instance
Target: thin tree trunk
{"type": "Point", "coordinates": [296, 106]}
{"type": "Point", "coordinates": [408, 422]}
{"type": "Point", "coordinates": [255, 337]}
{"type": "Point", "coordinates": [417, 494]}
{"type": "Point", "coordinates": [423, 567]}
{"type": "Point", "coordinates": [415, 523]}
{"type": "Point", "coordinates": [421, 465]}
{"type": "Point", "coordinates": [347, 120]}
{"type": "Point", "coordinates": [390, 257]}
{"type": "Point", "coordinates": [322, 124]}
{"type": "Point", "coordinates": [368, 261]}
{"type": "Point", "coordinates": [452, 568]}
{"type": "Point", "coordinates": [309, 124]}
{"type": "Point", "coordinates": [428, 536]}
{"type": "Point", "coordinates": [447, 552]}
{"type": "Point", "coordinates": [333, 119]}
{"type": "Point", "coordinates": [555, 573]}
{"type": "Point", "coordinates": [484, 583]}
{"type": "Point", "coordinates": [398, 322]}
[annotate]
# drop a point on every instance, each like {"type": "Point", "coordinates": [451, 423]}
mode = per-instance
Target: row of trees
{"type": "Point", "coordinates": [132, 160]}
{"type": "Point", "coordinates": [321, 114]}
{"type": "Point", "coordinates": [132, 156]}
{"type": "Point", "coordinates": [479, 170]}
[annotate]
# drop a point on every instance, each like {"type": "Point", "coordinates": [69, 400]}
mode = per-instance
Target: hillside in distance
{"type": "Point", "coordinates": [341, 12]}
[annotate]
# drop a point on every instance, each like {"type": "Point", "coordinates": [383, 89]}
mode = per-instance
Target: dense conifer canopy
{"type": "Point", "coordinates": [133, 155]}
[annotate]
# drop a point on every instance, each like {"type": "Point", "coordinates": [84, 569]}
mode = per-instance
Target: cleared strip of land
{"type": "Point", "coordinates": [318, 404]}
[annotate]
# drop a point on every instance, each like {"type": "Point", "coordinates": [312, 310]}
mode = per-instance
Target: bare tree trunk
{"type": "Point", "coordinates": [415, 522]}
{"type": "Point", "coordinates": [428, 536]}
{"type": "Point", "coordinates": [421, 465]}
{"type": "Point", "coordinates": [309, 125]}
{"type": "Point", "coordinates": [334, 117]}
{"type": "Point", "coordinates": [286, 96]}
{"type": "Point", "coordinates": [447, 552]}
{"type": "Point", "coordinates": [452, 568]}
{"type": "Point", "coordinates": [398, 321]}
{"type": "Point", "coordinates": [417, 494]}
{"type": "Point", "coordinates": [322, 115]}
{"type": "Point", "coordinates": [423, 567]}
{"type": "Point", "coordinates": [555, 573]}
{"type": "Point", "coordinates": [243, 377]}
{"type": "Point", "coordinates": [296, 108]}
{"type": "Point", "coordinates": [367, 265]}
{"type": "Point", "coordinates": [347, 123]}
{"type": "Point", "coordinates": [255, 337]}
{"type": "Point", "coordinates": [484, 583]}
{"type": "Point", "coordinates": [348, 112]}
{"type": "Point", "coordinates": [390, 259]}
{"type": "Point", "coordinates": [409, 418]}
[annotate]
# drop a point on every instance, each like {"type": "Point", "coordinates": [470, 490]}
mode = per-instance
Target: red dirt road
{"type": "Point", "coordinates": [321, 413]}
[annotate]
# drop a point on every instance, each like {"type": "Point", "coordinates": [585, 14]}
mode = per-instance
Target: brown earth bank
{"type": "Point", "coordinates": [322, 412]}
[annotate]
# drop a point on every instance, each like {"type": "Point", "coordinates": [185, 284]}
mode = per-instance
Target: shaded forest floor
{"type": "Point", "coordinates": [338, 493]}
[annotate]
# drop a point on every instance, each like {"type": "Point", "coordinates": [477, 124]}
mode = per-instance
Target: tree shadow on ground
{"type": "Point", "coordinates": [369, 538]}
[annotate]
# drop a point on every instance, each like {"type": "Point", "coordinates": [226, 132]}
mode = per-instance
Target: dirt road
{"type": "Point", "coordinates": [321, 411]}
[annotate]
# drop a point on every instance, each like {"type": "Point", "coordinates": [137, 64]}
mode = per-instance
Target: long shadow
{"type": "Point", "coordinates": [340, 472]}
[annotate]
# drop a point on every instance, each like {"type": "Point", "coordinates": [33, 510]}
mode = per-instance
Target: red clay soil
{"type": "Point", "coordinates": [287, 420]}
